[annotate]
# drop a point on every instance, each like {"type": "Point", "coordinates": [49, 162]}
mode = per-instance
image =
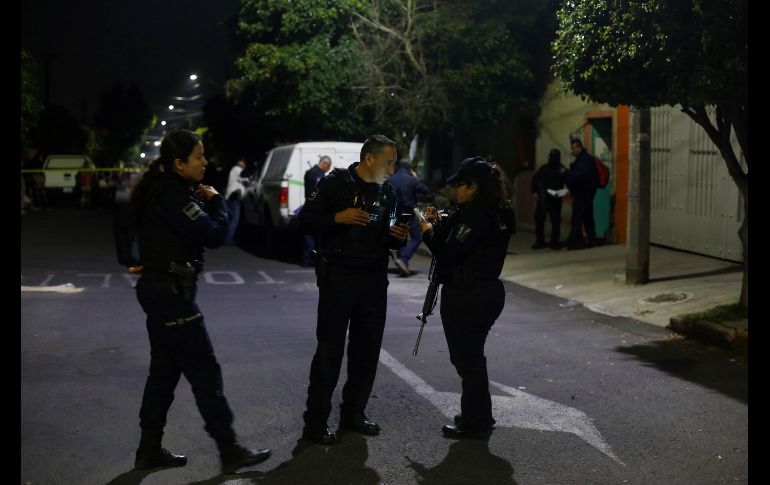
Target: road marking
{"type": "Point", "coordinates": [131, 278]}
{"type": "Point", "coordinates": [65, 288]}
{"type": "Point", "coordinates": [236, 278]}
{"type": "Point", "coordinates": [299, 271]}
{"type": "Point", "coordinates": [47, 280]}
{"type": "Point", "coordinates": [518, 410]}
{"type": "Point", "coordinates": [267, 279]}
{"type": "Point", "coordinates": [107, 277]}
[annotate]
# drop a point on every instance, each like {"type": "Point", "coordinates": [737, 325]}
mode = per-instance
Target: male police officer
{"type": "Point", "coordinates": [312, 177]}
{"type": "Point", "coordinates": [351, 210]}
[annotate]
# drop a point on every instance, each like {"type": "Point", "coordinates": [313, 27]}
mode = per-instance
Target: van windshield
{"type": "Point", "coordinates": [278, 163]}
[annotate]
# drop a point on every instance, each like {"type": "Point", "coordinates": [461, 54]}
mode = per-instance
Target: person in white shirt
{"type": "Point", "coordinates": [234, 193]}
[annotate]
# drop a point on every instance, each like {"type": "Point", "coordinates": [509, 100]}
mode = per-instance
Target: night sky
{"type": "Point", "coordinates": [155, 44]}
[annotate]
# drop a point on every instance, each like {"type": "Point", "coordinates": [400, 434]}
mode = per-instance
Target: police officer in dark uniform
{"type": "Point", "coordinates": [470, 247]}
{"type": "Point", "coordinates": [352, 211]}
{"type": "Point", "coordinates": [582, 180]}
{"type": "Point", "coordinates": [171, 222]}
{"type": "Point", "coordinates": [312, 177]}
{"type": "Point", "coordinates": [549, 176]}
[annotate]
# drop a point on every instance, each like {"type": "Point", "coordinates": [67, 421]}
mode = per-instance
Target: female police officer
{"type": "Point", "coordinates": [470, 246]}
{"type": "Point", "coordinates": [172, 221]}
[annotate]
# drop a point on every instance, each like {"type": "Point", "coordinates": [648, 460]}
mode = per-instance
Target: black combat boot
{"type": "Point", "coordinates": [235, 456]}
{"type": "Point", "coordinates": [151, 455]}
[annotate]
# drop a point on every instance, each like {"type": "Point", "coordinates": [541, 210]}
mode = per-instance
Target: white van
{"type": "Point", "coordinates": [273, 202]}
{"type": "Point", "coordinates": [62, 172]}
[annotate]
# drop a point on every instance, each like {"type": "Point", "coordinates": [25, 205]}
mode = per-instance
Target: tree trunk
{"type": "Point", "coordinates": [720, 136]}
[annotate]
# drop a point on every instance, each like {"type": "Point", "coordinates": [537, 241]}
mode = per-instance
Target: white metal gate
{"type": "Point", "coordinates": [695, 204]}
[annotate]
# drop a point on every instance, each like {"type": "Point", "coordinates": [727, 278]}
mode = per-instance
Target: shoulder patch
{"type": "Point", "coordinates": [462, 232]}
{"type": "Point", "coordinates": [192, 211]}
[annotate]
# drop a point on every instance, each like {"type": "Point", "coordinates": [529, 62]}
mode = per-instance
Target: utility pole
{"type": "Point", "coordinates": [639, 174]}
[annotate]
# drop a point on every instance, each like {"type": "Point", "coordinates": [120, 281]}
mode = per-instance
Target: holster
{"type": "Point", "coordinates": [321, 270]}
{"type": "Point", "coordinates": [185, 277]}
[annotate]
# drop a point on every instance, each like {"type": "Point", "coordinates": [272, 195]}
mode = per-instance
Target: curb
{"type": "Point", "coordinates": [725, 336]}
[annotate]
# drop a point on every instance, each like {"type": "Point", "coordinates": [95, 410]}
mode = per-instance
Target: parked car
{"type": "Point", "coordinates": [61, 176]}
{"type": "Point", "coordinates": [272, 203]}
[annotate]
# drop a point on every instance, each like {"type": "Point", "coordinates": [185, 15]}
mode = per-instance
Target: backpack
{"type": "Point", "coordinates": [603, 173]}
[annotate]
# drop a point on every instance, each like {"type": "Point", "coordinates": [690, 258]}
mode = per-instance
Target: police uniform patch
{"type": "Point", "coordinates": [462, 232]}
{"type": "Point", "coordinates": [192, 211]}
{"type": "Point", "coordinates": [312, 195]}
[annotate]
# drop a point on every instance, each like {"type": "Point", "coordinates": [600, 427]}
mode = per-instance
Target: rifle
{"type": "Point", "coordinates": [429, 304]}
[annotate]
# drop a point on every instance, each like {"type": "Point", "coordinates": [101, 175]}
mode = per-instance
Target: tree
{"type": "Point", "coordinates": [394, 66]}
{"type": "Point", "coordinates": [453, 65]}
{"type": "Point", "coordinates": [297, 65]}
{"type": "Point", "coordinates": [121, 118]}
{"type": "Point", "coordinates": [30, 98]}
{"type": "Point", "coordinates": [58, 131]}
{"type": "Point", "coordinates": [662, 52]}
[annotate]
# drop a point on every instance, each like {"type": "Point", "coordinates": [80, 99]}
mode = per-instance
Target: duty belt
{"type": "Point", "coordinates": [182, 268]}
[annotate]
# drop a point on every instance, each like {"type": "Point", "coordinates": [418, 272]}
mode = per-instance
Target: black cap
{"type": "Point", "coordinates": [475, 169]}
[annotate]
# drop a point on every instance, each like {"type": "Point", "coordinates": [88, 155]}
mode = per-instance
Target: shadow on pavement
{"type": "Point", "coordinates": [702, 274]}
{"type": "Point", "coordinates": [344, 462]}
{"type": "Point", "coordinates": [707, 366]}
{"type": "Point", "coordinates": [133, 477]}
{"type": "Point", "coordinates": [468, 461]}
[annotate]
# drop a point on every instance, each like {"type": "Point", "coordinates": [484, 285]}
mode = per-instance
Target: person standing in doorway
{"type": "Point", "coordinates": [545, 183]}
{"type": "Point", "coordinates": [582, 182]}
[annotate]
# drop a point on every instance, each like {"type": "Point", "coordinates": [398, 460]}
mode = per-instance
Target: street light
{"type": "Point", "coordinates": [171, 107]}
{"type": "Point", "coordinates": [163, 123]}
{"type": "Point", "coordinates": [193, 77]}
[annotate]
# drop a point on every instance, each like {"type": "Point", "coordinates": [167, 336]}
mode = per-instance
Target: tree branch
{"type": "Point", "coordinates": [699, 115]}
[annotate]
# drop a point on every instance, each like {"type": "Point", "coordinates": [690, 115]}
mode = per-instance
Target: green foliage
{"type": "Point", "coordinates": [298, 63]}
{"type": "Point", "coordinates": [30, 98]}
{"type": "Point", "coordinates": [58, 131]}
{"type": "Point", "coordinates": [393, 66]}
{"type": "Point", "coordinates": [654, 52]}
{"type": "Point", "coordinates": [721, 313]}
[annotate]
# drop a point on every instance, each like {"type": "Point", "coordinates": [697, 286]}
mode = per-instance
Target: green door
{"type": "Point", "coordinates": [601, 146]}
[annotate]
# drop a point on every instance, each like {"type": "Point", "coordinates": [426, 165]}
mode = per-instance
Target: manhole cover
{"type": "Point", "coordinates": [667, 297]}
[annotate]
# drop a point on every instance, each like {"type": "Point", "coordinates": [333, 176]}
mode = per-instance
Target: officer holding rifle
{"type": "Point", "coordinates": [469, 246]}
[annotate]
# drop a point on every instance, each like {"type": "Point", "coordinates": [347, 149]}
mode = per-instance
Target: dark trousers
{"type": "Point", "coordinates": [234, 207]}
{"type": "Point", "coordinates": [583, 217]}
{"type": "Point", "coordinates": [467, 315]}
{"type": "Point", "coordinates": [347, 298]}
{"type": "Point", "coordinates": [415, 237]}
{"type": "Point", "coordinates": [310, 246]}
{"type": "Point", "coordinates": [179, 344]}
{"type": "Point", "coordinates": [551, 207]}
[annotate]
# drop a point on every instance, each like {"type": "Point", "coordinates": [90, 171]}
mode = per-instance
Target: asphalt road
{"type": "Point", "coordinates": [580, 397]}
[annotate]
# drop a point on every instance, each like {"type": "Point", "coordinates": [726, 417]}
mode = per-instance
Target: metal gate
{"type": "Point", "coordinates": [695, 204]}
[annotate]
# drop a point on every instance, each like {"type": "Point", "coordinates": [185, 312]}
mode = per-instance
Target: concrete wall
{"type": "Point", "coordinates": [562, 114]}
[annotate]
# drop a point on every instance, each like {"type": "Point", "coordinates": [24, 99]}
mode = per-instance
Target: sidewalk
{"type": "Point", "coordinates": [680, 284]}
